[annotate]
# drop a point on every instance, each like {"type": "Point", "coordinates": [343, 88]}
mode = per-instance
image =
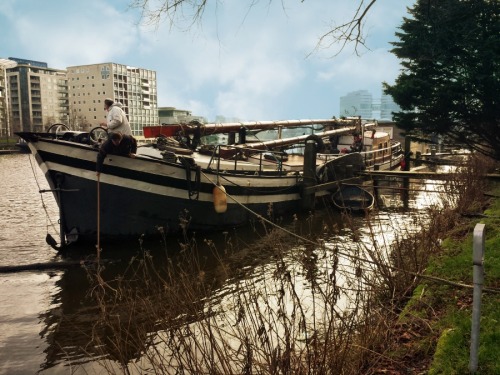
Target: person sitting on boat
{"type": "Point", "coordinates": [117, 144]}
{"type": "Point", "coordinates": [357, 145]}
{"type": "Point", "coordinates": [116, 119]}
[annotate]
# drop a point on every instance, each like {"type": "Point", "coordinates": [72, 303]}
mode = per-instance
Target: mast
{"type": "Point", "coordinates": [301, 138]}
{"type": "Point", "coordinates": [198, 129]}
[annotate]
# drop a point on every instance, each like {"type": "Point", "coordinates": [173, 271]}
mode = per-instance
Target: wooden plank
{"type": "Point", "coordinates": [326, 186]}
{"type": "Point", "coordinates": [409, 174]}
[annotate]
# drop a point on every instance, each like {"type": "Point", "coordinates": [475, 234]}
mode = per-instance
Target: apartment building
{"type": "Point", "coordinates": [4, 97]}
{"type": "Point", "coordinates": [134, 88]}
{"type": "Point", "coordinates": [4, 119]}
{"type": "Point", "coordinates": [172, 115]}
{"type": "Point", "coordinates": [38, 95]}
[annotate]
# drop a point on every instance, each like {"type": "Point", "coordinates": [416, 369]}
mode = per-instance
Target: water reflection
{"type": "Point", "coordinates": [157, 309]}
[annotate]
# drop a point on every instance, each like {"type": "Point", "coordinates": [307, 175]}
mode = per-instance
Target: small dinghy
{"type": "Point", "coordinates": [353, 198]}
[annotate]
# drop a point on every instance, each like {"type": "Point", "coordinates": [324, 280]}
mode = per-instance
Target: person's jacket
{"type": "Point", "coordinates": [117, 120]}
{"type": "Point", "coordinates": [127, 146]}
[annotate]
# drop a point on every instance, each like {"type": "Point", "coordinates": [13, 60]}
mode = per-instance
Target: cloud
{"type": "Point", "coordinates": [242, 61]}
{"type": "Point", "coordinates": [367, 71]}
{"type": "Point", "coordinates": [68, 34]}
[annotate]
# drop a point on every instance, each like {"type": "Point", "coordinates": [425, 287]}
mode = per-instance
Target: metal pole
{"type": "Point", "coordinates": [98, 217]}
{"type": "Point", "coordinates": [478, 278]}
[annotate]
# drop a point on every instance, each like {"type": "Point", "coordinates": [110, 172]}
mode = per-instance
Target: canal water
{"type": "Point", "coordinates": [48, 318]}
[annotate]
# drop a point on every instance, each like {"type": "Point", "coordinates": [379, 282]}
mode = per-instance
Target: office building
{"type": "Point", "coordinates": [356, 103]}
{"type": "Point", "coordinates": [361, 103]}
{"type": "Point", "coordinates": [387, 107]}
{"type": "Point", "coordinates": [38, 95]}
{"type": "Point", "coordinates": [134, 88]}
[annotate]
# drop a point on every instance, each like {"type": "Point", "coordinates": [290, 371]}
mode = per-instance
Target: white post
{"type": "Point", "coordinates": [478, 278]}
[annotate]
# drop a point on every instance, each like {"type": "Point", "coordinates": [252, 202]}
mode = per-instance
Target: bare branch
{"type": "Point", "coordinates": [349, 32]}
{"type": "Point", "coordinates": [191, 11]}
{"type": "Point", "coordinates": [173, 11]}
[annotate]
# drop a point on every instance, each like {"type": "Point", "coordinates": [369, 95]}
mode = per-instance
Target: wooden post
{"type": "Point", "coordinates": [309, 174]}
{"type": "Point", "coordinates": [242, 136]}
{"type": "Point", "coordinates": [231, 138]}
{"type": "Point", "coordinates": [376, 192]}
{"type": "Point", "coordinates": [407, 152]}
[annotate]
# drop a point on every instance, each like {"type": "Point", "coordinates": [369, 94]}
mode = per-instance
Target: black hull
{"type": "Point", "coordinates": [145, 196]}
{"type": "Point", "coordinates": [128, 214]}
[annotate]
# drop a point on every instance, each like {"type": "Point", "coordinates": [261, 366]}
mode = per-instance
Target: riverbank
{"type": "Point", "coordinates": [9, 146]}
{"type": "Point", "coordinates": [432, 334]}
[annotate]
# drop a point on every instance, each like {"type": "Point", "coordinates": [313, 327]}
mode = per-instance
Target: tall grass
{"type": "Point", "coordinates": [319, 298]}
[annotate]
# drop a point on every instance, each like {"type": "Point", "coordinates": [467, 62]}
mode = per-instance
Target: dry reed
{"type": "Point", "coordinates": [322, 304]}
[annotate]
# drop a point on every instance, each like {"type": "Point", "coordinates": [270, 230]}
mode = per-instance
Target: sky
{"type": "Point", "coordinates": [243, 62]}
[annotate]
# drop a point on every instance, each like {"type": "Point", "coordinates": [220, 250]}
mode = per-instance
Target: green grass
{"type": "Point", "coordinates": [452, 305]}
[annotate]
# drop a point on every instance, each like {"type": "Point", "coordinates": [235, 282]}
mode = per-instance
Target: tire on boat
{"type": "Point", "coordinates": [320, 145]}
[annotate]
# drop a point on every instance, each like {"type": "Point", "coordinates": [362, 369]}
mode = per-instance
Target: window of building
{"type": "Point", "coordinates": [105, 72]}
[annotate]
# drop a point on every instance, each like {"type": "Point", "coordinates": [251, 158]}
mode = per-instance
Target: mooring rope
{"type": "Point", "coordinates": [351, 256]}
{"type": "Point", "coordinates": [47, 216]}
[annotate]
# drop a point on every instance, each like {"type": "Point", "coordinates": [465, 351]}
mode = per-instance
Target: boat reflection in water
{"type": "Point", "coordinates": [112, 314]}
{"type": "Point", "coordinates": [216, 304]}
{"type": "Point", "coordinates": [140, 298]}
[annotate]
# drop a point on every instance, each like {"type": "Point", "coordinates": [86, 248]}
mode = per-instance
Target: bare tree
{"type": "Point", "coordinates": [190, 12]}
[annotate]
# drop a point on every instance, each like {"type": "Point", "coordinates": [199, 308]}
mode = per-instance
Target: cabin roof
{"type": "Point", "coordinates": [378, 134]}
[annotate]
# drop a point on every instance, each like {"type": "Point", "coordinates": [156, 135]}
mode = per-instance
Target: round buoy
{"type": "Point", "coordinates": [220, 199]}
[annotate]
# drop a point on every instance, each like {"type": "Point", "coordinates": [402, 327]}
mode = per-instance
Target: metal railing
{"type": "Point", "coordinates": [239, 154]}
